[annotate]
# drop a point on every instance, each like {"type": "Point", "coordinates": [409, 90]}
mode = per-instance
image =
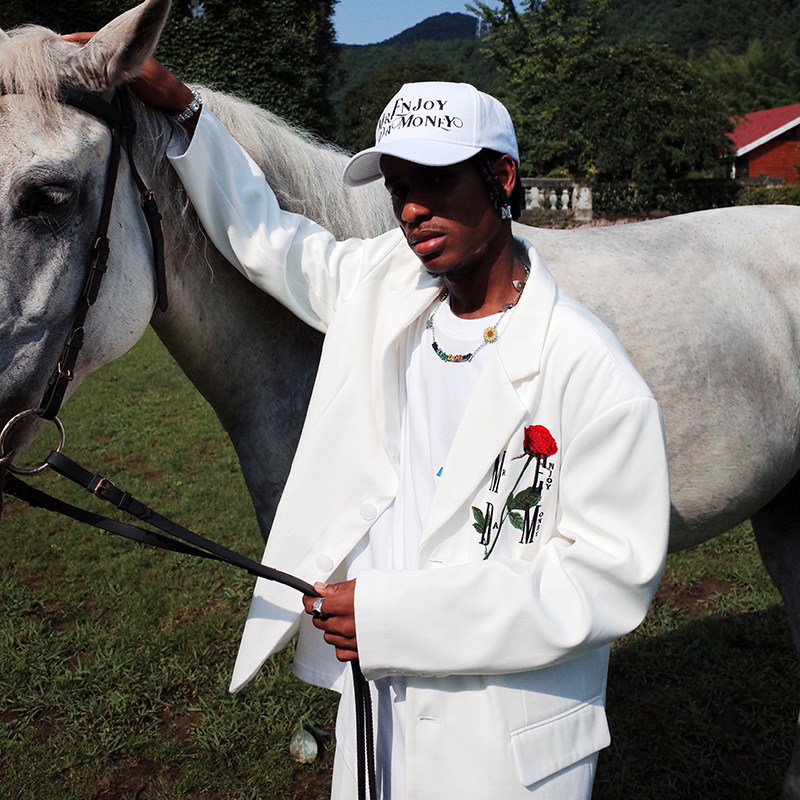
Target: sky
{"type": "Point", "coordinates": [370, 21]}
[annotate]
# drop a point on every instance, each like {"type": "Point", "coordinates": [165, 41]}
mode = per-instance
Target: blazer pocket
{"type": "Point", "coordinates": [546, 747]}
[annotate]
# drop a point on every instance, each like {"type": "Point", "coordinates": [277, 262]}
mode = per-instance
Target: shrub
{"type": "Point", "coordinates": [788, 194]}
{"type": "Point", "coordinates": [677, 197]}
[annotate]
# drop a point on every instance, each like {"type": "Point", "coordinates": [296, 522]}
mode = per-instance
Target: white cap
{"type": "Point", "coordinates": [435, 124]}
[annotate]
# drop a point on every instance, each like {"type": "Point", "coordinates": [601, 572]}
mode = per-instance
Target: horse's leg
{"type": "Point", "coordinates": [777, 530]}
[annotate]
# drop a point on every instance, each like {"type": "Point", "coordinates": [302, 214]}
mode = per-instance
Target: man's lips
{"type": "Point", "coordinates": [423, 243]}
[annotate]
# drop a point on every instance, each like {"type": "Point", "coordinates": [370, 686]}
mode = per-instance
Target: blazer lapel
{"type": "Point", "coordinates": [495, 410]}
{"type": "Point", "coordinates": [491, 417]}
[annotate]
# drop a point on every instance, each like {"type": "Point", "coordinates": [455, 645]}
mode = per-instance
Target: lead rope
{"type": "Point", "coordinates": [119, 117]}
{"type": "Point", "coordinates": [364, 734]}
{"type": "Point", "coordinates": [190, 543]}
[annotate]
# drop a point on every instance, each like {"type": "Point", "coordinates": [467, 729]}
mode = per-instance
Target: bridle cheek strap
{"type": "Point", "coordinates": [119, 117]}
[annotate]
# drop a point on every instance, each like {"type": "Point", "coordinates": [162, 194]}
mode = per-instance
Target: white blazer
{"type": "Point", "coordinates": [506, 657]}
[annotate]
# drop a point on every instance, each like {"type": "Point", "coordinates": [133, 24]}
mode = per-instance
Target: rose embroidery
{"type": "Point", "coordinates": [538, 444]}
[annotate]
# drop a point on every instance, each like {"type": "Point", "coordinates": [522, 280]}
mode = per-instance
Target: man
{"type": "Point", "coordinates": [480, 491]}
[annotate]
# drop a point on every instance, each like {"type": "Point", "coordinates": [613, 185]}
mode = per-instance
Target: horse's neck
{"type": "Point", "coordinates": [250, 359]}
{"type": "Point", "coordinates": [246, 354]}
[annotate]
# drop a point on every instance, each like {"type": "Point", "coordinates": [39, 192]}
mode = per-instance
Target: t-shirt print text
{"type": "Point", "coordinates": [416, 113]}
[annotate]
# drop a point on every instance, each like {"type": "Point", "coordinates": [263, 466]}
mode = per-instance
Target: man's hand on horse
{"type": "Point", "coordinates": [155, 85]}
{"type": "Point", "coordinates": [338, 619]}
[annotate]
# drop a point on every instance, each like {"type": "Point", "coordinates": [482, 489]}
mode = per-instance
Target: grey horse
{"type": "Point", "coordinates": [707, 304]}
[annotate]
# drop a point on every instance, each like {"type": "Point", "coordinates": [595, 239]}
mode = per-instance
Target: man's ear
{"type": "Point", "coordinates": [506, 170]}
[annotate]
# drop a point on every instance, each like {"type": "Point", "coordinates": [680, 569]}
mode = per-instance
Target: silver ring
{"type": "Point", "coordinates": [7, 429]}
{"type": "Point", "coordinates": [316, 609]}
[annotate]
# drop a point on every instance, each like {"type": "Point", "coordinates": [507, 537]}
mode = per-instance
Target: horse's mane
{"type": "Point", "coordinates": [304, 173]}
{"type": "Point", "coordinates": [31, 65]}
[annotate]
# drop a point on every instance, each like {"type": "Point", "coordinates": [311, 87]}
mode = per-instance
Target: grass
{"type": "Point", "coordinates": [115, 659]}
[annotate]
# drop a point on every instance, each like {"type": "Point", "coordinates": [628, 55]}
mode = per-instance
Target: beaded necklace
{"type": "Point", "coordinates": [490, 334]}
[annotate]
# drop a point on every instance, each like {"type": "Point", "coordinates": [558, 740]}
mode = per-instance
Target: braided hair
{"type": "Point", "coordinates": [497, 194]}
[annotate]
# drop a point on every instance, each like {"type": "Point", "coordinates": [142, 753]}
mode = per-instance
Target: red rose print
{"type": "Point", "coordinates": [539, 441]}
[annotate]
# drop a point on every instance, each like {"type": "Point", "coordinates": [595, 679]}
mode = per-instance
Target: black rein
{"type": "Point", "coordinates": [118, 114]}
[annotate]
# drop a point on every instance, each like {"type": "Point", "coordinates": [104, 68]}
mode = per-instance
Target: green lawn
{"type": "Point", "coordinates": [115, 659]}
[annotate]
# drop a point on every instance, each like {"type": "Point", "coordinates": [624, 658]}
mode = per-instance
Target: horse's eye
{"type": "Point", "coordinates": [48, 202]}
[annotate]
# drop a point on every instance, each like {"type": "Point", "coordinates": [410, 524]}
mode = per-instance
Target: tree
{"type": "Point", "coordinates": [277, 53]}
{"type": "Point", "coordinates": [63, 16]}
{"type": "Point", "coordinates": [643, 114]}
{"type": "Point", "coordinates": [532, 49]}
{"type": "Point", "coordinates": [762, 77]}
{"type": "Point", "coordinates": [625, 112]}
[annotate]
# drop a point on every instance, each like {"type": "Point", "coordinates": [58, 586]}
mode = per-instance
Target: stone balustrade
{"type": "Point", "coordinates": [557, 197]}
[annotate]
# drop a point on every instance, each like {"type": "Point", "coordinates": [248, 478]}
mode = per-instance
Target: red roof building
{"type": "Point", "coordinates": [768, 143]}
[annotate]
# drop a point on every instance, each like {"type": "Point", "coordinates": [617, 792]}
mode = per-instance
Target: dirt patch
{"type": "Point", "coordinates": [141, 465]}
{"type": "Point", "coordinates": [42, 725]}
{"type": "Point", "coordinates": [39, 726]}
{"type": "Point", "coordinates": [313, 781]}
{"type": "Point", "coordinates": [692, 598]}
{"type": "Point", "coordinates": [10, 717]}
{"type": "Point", "coordinates": [76, 661]}
{"type": "Point", "coordinates": [132, 781]}
{"type": "Point", "coordinates": [179, 727]}
{"type": "Point", "coordinates": [46, 610]}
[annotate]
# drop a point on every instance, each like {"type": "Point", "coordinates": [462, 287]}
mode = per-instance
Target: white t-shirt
{"type": "Point", "coordinates": [434, 397]}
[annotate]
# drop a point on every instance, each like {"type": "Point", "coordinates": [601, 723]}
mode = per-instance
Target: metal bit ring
{"type": "Point", "coordinates": [7, 430]}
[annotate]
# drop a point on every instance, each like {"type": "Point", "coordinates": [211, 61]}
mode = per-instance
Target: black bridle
{"type": "Point", "coordinates": [118, 115]}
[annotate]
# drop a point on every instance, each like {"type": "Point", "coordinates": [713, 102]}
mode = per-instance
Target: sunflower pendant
{"type": "Point", "coordinates": [490, 334]}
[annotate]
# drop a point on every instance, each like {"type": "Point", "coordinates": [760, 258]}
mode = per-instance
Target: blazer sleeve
{"type": "Point", "coordinates": [290, 257]}
{"type": "Point", "coordinates": [585, 587]}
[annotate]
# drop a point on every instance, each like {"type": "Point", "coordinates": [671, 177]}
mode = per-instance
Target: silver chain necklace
{"type": "Point", "coordinates": [490, 334]}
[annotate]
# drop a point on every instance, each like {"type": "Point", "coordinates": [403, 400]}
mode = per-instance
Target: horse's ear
{"type": "Point", "coordinates": [117, 52]}
{"type": "Point", "coordinates": [3, 35]}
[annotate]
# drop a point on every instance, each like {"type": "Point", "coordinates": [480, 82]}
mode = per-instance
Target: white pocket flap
{"type": "Point", "coordinates": [545, 748]}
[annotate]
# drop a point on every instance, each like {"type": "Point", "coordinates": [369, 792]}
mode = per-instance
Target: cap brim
{"type": "Point", "coordinates": [365, 167]}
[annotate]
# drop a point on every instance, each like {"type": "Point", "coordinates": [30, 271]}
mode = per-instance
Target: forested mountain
{"type": "Point", "coordinates": [695, 27]}
{"type": "Point", "coordinates": [444, 47]}
{"type": "Point", "coordinates": [749, 49]}
{"type": "Point", "coordinates": [446, 41]}
{"type": "Point", "coordinates": [441, 28]}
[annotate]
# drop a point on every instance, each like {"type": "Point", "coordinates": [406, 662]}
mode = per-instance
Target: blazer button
{"type": "Point", "coordinates": [368, 512]}
{"type": "Point", "coordinates": [325, 564]}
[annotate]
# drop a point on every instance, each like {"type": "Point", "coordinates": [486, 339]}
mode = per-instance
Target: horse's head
{"type": "Point", "coordinates": [53, 166]}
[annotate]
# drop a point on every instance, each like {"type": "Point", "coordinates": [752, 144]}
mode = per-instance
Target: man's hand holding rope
{"type": "Point", "coordinates": [336, 617]}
